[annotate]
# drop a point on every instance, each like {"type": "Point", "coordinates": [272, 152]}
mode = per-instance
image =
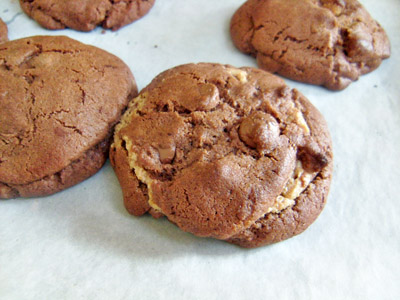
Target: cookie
{"type": "Point", "coordinates": [3, 32]}
{"type": "Point", "coordinates": [59, 102]}
{"type": "Point", "coordinates": [322, 42]}
{"type": "Point", "coordinates": [87, 14]}
{"type": "Point", "coordinates": [220, 151]}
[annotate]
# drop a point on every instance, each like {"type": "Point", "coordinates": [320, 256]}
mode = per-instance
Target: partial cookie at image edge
{"type": "Point", "coordinates": [328, 43]}
{"type": "Point", "coordinates": [56, 133]}
{"type": "Point", "coordinates": [3, 32]}
{"type": "Point", "coordinates": [55, 15]}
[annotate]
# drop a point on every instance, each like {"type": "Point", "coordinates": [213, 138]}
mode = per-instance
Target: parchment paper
{"type": "Point", "coordinates": [82, 244]}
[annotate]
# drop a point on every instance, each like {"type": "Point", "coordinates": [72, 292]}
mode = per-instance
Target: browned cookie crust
{"type": "Point", "coordinates": [77, 171]}
{"type": "Point", "coordinates": [322, 42]}
{"type": "Point", "coordinates": [59, 101]}
{"type": "Point", "coordinates": [85, 15]}
{"type": "Point", "coordinates": [218, 149]}
{"type": "Point", "coordinates": [3, 32]}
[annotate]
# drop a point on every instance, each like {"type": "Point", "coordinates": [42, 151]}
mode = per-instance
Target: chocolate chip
{"type": "Point", "coordinates": [260, 130]}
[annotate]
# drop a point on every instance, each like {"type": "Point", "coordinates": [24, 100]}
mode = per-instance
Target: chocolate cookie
{"type": "Point", "coordinates": [59, 102]}
{"type": "Point", "coordinates": [85, 15]}
{"type": "Point", "coordinates": [322, 42]}
{"type": "Point", "coordinates": [3, 32]}
{"type": "Point", "coordinates": [221, 151]}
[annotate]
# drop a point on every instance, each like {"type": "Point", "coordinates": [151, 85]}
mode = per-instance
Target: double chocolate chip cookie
{"type": "Point", "coordinates": [59, 102]}
{"type": "Point", "coordinates": [3, 32]}
{"type": "Point", "coordinates": [85, 15]}
{"type": "Point", "coordinates": [322, 42]}
{"type": "Point", "coordinates": [222, 152]}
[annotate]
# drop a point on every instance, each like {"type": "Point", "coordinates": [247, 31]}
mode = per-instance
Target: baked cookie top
{"type": "Point", "coordinates": [322, 42]}
{"type": "Point", "coordinates": [3, 32]}
{"type": "Point", "coordinates": [58, 99]}
{"type": "Point", "coordinates": [85, 15]}
{"type": "Point", "coordinates": [215, 148]}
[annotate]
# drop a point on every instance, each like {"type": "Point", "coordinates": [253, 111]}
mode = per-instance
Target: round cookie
{"type": "Point", "coordinates": [59, 102]}
{"type": "Point", "coordinates": [85, 15]}
{"type": "Point", "coordinates": [322, 42]}
{"type": "Point", "coordinates": [218, 150]}
{"type": "Point", "coordinates": [3, 32]}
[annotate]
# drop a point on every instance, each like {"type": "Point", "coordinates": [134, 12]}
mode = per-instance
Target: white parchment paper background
{"type": "Point", "coordinates": [82, 244]}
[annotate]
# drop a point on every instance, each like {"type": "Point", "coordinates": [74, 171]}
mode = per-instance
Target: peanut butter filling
{"type": "Point", "coordinates": [238, 74]}
{"type": "Point", "coordinates": [294, 187]}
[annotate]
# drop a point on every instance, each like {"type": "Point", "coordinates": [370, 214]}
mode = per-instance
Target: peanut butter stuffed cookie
{"type": "Point", "coordinates": [3, 32]}
{"type": "Point", "coordinates": [228, 153]}
{"type": "Point", "coordinates": [85, 15]}
{"type": "Point", "coordinates": [59, 102]}
{"type": "Point", "coordinates": [322, 42]}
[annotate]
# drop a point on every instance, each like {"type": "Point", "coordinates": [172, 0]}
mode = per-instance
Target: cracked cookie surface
{"type": "Point", "coordinates": [3, 32]}
{"type": "Point", "coordinates": [322, 42]}
{"type": "Point", "coordinates": [59, 102]}
{"type": "Point", "coordinates": [85, 15]}
{"type": "Point", "coordinates": [217, 150]}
